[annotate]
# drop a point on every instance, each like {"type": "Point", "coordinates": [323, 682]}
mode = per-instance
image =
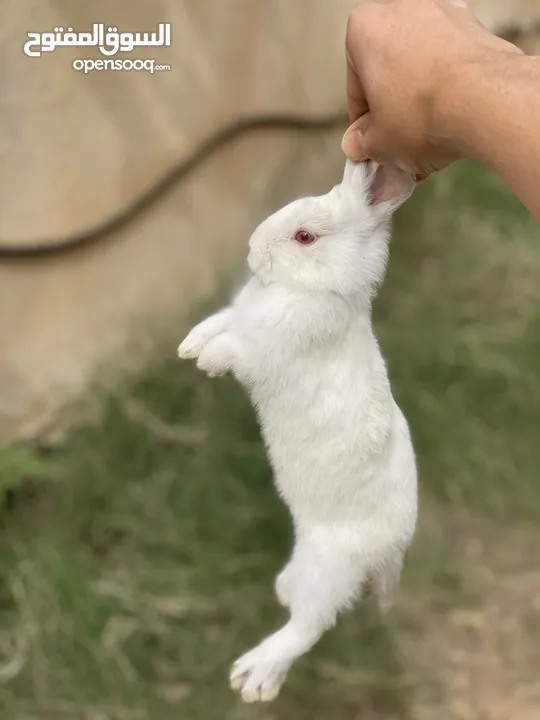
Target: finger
{"type": "Point", "coordinates": [363, 141]}
{"type": "Point", "coordinates": [356, 98]}
{"type": "Point", "coordinates": [353, 143]}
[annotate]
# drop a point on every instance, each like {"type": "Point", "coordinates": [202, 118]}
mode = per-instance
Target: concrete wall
{"type": "Point", "coordinates": [75, 149]}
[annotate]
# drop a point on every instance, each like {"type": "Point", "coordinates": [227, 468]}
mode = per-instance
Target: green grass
{"type": "Point", "coordinates": [138, 561]}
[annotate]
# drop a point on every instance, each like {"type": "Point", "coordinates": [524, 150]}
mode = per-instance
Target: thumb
{"type": "Point", "coordinates": [356, 141]}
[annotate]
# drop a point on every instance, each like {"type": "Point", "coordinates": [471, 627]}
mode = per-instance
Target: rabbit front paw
{"type": "Point", "coordinates": [215, 358]}
{"type": "Point", "coordinates": [192, 345]}
{"type": "Point", "coordinates": [189, 347]}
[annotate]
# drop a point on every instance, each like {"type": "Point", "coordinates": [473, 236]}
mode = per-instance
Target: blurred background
{"type": "Point", "coordinates": [140, 532]}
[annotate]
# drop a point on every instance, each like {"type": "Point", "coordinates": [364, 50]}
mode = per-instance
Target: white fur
{"type": "Point", "coordinates": [298, 337]}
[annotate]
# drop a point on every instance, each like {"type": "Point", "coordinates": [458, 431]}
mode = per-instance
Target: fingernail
{"type": "Point", "coordinates": [352, 142]}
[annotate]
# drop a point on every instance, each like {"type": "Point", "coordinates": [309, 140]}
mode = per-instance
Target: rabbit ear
{"type": "Point", "coordinates": [386, 186]}
{"type": "Point", "coordinates": [355, 176]}
{"type": "Point", "coordinates": [389, 186]}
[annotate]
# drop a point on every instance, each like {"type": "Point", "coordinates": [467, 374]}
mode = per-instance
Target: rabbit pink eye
{"type": "Point", "coordinates": [304, 237]}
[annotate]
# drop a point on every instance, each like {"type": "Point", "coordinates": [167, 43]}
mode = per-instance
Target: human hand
{"type": "Point", "coordinates": [403, 58]}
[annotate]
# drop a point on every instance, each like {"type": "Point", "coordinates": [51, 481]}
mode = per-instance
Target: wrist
{"type": "Point", "coordinates": [468, 98]}
{"type": "Point", "coordinates": [452, 106]}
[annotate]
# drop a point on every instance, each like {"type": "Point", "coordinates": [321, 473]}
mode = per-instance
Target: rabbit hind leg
{"type": "Point", "coordinates": [317, 584]}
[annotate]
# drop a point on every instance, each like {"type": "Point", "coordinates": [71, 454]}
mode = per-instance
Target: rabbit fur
{"type": "Point", "coordinates": [298, 337]}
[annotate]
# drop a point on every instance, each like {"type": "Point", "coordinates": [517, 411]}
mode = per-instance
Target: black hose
{"type": "Point", "coordinates": [172, 176]}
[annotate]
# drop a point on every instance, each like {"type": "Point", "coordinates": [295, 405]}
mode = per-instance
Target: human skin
{"type": "Point", "coordinates": [427, 84]}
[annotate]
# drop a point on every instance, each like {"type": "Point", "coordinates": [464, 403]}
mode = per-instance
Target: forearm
{"type": "Point", "coordinates": [493, 116]}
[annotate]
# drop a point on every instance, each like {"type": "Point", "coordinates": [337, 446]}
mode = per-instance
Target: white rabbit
{"type": "Point", "coordinates": [298, 337]}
